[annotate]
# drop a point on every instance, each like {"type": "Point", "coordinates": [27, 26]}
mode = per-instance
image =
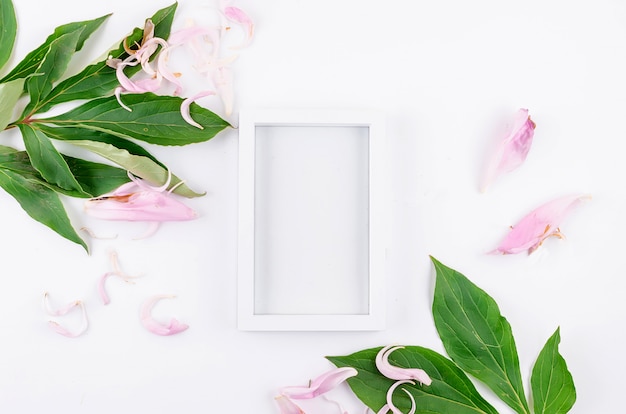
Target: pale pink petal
{"type": "Point", "coordinates": [223, 80]}
{"type": "Point", "coordinates": [384, 409]}
{"type": "Point", "coordinates": [286, 406]}
{"type": "Point", "coordinates": [320, 385]}
{"type": "Point", "coordinates": [59, 311]}
{"type": "Point", "coordinates": [62, 330]}
{"type": "Point", "coordinates": [156, 327]}
{"type": "Point", "coordinates": [398, 373]}
{"type": "Point", "coordinates": [390, 392]}
{"type": "Point", "coordinates": [143, 205]}
{"type": "Point", "coordinates": [237, 15]}
{"type": "Point", "coordinates": [538, 225]}
{"type": "Point", "coordinates": [512, 150]}
{"type": "Point", "coordinates": [184, 107]}
{"type": "Point", "coordinates": [117, 271]}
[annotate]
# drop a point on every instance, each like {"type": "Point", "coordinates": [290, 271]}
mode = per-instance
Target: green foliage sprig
{"type": "Point", "coordinates": [37, 176]}
{"type": "Point", "coordinates": [480, 342]}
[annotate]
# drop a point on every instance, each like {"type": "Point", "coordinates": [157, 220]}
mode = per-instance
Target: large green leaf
{"type": "Point", "coordinates": [125, 153]}
{"type": "Point", "coordinates": [47, 160]}
{"type": "Point", "coordinates": [8, 30]}
{"type": "Point", "coordinates": [51, 68]}
{"type": "Point", "coordinates": [154, 119]}
{"type": "Point", "coordinates": [31, 62]}
{"type": "Point", "coordinates": [94, 178]}
{"type": "Point", "coordinates": [99, 79]}
{"type": "Point", "coordinates": [10, 92]}
{"type": "Point", "coordinates": [476, 336]}
{"type": "Point", "coordinates": [41, 203]}
{"type": "Point", "coordinates": [451, 391]}
{"type": "Point", "coordinates": [551, 382]}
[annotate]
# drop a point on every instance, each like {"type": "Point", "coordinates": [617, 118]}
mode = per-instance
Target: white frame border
{"type": "Point", "coordinates": [247, 320]}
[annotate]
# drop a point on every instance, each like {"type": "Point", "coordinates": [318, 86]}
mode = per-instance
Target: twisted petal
{"type": "Point", "coordinates": [235, 14]}
{"type": "Point", "coordinates": [62, 330]}
{"type": "Point", "coordinates": [538, 225]}
{"type": "Point", "coordinates": [158, 328]}
{"type": "Point", "coordinates": [512, 150]}
{"type": "Point", "coordinates": [398, 373]}
{"type": "Point", "coordinates": [184, 107]}
{"type": "Point", "coordinates": [390, 392]}
{"type": "Point", "coordinates": [321, 384]}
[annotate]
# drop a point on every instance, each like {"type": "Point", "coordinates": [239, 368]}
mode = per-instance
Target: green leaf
{"type": "Point", "coordinates": [31, 62]}
{"type": "Point", "coordinates": [99, 79]}
{"type": "Point", "coordinates": [125, 153]}
{"type": "Point", "coordinates": [476, 336]}
{"type": "Point", "coordinates": [8, 30]}
{"type": "Point", "coordinates": [451, 391]}
{"type": "Point", "coordinates": [41, 203]}
{"type": "Point", "coordinates": [94, 178]}
{"type": "Point", "coordinates": [47, 160]}
{"type": "Point", "coordinates": [154, 119]}
{"type": "Point", "coordinates": [10, 93]}
{"type": "Point", "coordinates": [50, 69]}
{"type": "Point", "coordinates": [551, 382]}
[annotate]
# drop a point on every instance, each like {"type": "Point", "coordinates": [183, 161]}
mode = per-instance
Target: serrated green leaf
{"type": "Point", "coordinates": [47, 160]}
{"type": "Point", "coordinates": [8, 30]}
{"type": "Point", "coordinates": [154, 119]}
{"type": "Point", "coordinates": [551, 382]}
{"type": "Point", "coordinates": [125, 153]}
{"type": "Point", "coordinates": [451, 391]}
{"type": "Point", "coordinates": [41, 203]}
{"type": "Point", "coordinates": [476, 336]}
{"type": "Point", "coordinates": [10, 93]}
{"type": "Point", "coordinates": [31, 62]}
{"type": "Point", "coordinates": [51, 68]}
{"type": "Point", "coordinates": [99, 79]}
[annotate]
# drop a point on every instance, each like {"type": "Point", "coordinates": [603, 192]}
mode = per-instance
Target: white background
{"type": "Point", "coordinates": [446, 74]}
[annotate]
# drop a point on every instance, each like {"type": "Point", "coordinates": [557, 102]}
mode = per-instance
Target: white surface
{"type": "Point", "coordinates": [444, 73]}
{"type": "Point", "coordinates": [311, 225]}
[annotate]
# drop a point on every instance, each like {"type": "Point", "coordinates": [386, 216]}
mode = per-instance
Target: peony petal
{"type": "Point", "coordinates": [399, 373]}
{"type": "Point", "coordinates": [158, 328]}
{"type": "Point", "coordinates": [184, 107]}
{"type": "Point", "coordinates": [538, 225]}
{"type": "Point", "coordinates": [286, 406]}
{"type": "Point", "coordinates": [320, 385]}
{"type": "Point", "coordinates": [390, 392]}
{"type": "Point", "coordinates": [235, 14]}
{"type": "Point", "coordinates": [512, 150]}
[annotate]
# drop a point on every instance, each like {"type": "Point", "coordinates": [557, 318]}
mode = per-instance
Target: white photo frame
{"type": "Point", "coordinates": [277, 149]}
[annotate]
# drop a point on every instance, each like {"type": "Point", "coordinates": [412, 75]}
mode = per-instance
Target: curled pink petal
{"type": "Point", "coordinates": [60, 311]}
{"type": "Point", "coordinates": [390, 392]}
{"type": "Point", "coordinates": [543, 222]}
{"type": "Point", "coordinates": [62, 330]}
{"type": "Point", "coordinates": [184, 107]}
{"type": "Point", "coordinates": [158, 328]}
{"type": "Point", "coordinates": [398, 373]}
{"type": "Point", "coordinates": [235, 14]}
{"type": "Point", "coordinates": [321, 384]}
{"type": "Point", "coordinates": [117, 271]}
{"type": "Point", "coordinates": [512, 150]}
{"type": "Point", "coordinates": [286, 406]}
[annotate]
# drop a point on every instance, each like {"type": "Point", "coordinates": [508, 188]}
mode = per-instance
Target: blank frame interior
{"type": "Point", "coordinates": [311, 254]}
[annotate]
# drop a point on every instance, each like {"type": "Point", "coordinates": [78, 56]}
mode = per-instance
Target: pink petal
{"type": "Point", "coordinates": [286, 406]}
{"type": "Point", "coordinates": [62, 330]}
{"type": "Point", "coordinates": [184, 107]}
{"type": "Point", "coordinates": [511, 152]}
{"type": "Point", "coordinates": [158, 328]}
{"type": "Point", "coordinates": [142, 205]}
{"type": "Point", "coordinates": [60, 311]}
{"type": "Point", "coordinates": [321, 384]}
{"type": "Point", "coordinates": [223, 80]}
{"type": "Point", "coordinates": [117, 271]}
{"type": "Point", "coordinates": [538, 225]}
{"type": "Point", "coordinates": [390, 392]}
{"type": "Point", "coordinates": [398, 373]}
{"type": "Point", "coordinates": [237, 15]}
